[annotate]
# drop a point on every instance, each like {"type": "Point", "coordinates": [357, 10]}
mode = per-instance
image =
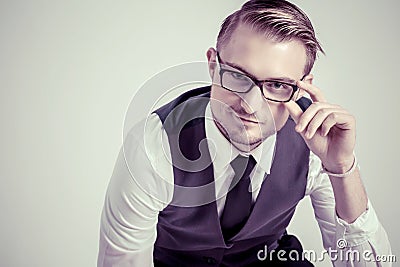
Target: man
{"type": "Point", "coordinates": [222, 201]}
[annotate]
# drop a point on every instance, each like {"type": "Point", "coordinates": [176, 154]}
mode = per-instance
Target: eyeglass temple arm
{"type": "Point", "coordinates": [304, 102]}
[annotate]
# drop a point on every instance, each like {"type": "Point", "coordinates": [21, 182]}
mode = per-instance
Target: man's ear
{"type": "Point", "coordinates": [307, 79]}
{"type": "Point", "coordinates": [211, 59]}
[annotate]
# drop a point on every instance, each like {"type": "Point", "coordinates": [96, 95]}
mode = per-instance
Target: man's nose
{"type": "Point", "coordinates": [252, 100]}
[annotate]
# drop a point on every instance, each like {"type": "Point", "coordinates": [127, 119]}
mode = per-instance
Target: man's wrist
{"type": "Point", "coordinates": [342, 168]}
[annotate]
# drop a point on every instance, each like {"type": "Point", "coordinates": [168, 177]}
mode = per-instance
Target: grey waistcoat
{"type": "Point", "coordinates": [189, 234]}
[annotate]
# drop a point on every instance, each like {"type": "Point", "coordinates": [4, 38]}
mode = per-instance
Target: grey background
{"type": "Point", "coordinates": [68, 70]}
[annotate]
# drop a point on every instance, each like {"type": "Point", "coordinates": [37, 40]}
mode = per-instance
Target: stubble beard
{"type": "Point", "coordinates": [244, 138]}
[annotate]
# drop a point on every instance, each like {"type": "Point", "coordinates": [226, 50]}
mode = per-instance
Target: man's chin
{"type": "Point", "coordinates": [246, 144]}
{"type": "Point", "coordinates": [245, 140]}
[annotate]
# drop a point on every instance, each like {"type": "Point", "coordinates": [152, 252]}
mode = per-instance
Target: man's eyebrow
{"type": "Point", "coordinates": [283, 79]}
{"type": "Point", "coordinates": [233, 65]}
{"type": "Point", "coordinates": [279, 79]}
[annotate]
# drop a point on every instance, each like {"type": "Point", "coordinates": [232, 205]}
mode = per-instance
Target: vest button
{"type": "Point", "coordinates": [210, 260]}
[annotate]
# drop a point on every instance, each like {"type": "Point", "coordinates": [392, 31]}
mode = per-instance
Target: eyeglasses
{"type": "Point", "coordinates": [273, 90]}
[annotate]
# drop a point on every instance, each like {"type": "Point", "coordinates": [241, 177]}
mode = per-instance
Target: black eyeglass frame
{"type": "Point", "coordinates": [258, 83]}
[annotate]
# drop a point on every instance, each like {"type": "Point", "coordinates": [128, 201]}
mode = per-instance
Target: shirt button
{"type": "Point", "coordinates": [210, 260]}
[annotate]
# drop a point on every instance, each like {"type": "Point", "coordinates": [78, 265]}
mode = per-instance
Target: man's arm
{"type": "Point", "coordinates": [365, 235]}
{"type": "Point", "coordinates": [350, 197]}
{"type": "Point", "coordinates": [127, 228]}
{"type": "Point", "coordinates": [330, 133]}
{"type": "Point", "coordinates": [135, 195]}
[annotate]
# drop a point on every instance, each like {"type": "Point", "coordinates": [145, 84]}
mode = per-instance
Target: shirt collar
{"type": "Point", "coordinates": [223, 152]}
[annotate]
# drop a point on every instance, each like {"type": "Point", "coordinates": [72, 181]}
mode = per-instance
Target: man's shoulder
{"type": "Point", "coordinates": [146, 156]}
{"type": "Point", "coordinates": [185, 109]}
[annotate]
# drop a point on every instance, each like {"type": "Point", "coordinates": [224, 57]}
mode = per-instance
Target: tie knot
{"type": "Point", "coordinates": [242, 165]}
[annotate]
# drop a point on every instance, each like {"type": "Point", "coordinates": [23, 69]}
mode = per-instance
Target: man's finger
{"type": "Point", "coordinates": [294, 110]}
{"type": "Point", "coordinates": [315, 92]}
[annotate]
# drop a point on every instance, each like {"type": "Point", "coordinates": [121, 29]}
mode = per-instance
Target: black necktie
{"type": "Point", "coordinates": [239, 200]}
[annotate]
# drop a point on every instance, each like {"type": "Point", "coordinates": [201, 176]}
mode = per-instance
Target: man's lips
{"type": "Point", "coordinates": [242, 117]}
{"type": "Point", "coordinates": [248, 120]}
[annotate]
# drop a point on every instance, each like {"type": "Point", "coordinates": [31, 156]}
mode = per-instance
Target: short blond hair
{"type": "Point", "coordinates": [278, 20]}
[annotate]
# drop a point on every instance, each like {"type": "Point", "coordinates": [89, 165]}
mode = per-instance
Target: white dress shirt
{"type": "Point", "coordinates": [142, 185]}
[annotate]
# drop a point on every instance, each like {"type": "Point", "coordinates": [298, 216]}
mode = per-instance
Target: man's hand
{"type": "Point", "coordinates": [329, 130]}
{"type": "Point", "coordinates": [330, 133]}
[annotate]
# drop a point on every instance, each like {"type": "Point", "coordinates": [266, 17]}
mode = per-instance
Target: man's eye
{"type": "Point", "coordinates": [238, 76]}
{"type": "Point", "coordinates": [277, 86]}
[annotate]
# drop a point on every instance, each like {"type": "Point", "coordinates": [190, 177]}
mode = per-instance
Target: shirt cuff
{"type": "Point", "coordinates": [359, 231]}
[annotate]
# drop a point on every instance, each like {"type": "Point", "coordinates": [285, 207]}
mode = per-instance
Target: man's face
{"type": "Point", "coordinates": [246, 119]}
